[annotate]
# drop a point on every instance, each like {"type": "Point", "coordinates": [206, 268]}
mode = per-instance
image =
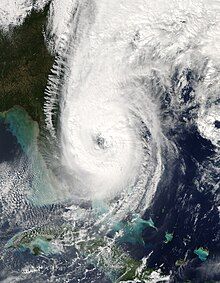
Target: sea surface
{"type": "Point", "coordinates": [118, 181]}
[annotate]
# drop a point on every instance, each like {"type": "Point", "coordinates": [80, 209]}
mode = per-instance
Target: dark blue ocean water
{"type": "Point", "coordinates": [9, 148]}
{"type": "Point", "coordinates": [179, 207]}
{"type": "Point", "coordinates": [192, 215]}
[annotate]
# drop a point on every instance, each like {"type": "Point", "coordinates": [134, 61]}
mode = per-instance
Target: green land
{"type": "Point", "coordinates": [24, 66]}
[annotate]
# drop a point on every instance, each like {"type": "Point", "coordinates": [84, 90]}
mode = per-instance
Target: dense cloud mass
{"type": "Point", "coordinates": [132, 120]}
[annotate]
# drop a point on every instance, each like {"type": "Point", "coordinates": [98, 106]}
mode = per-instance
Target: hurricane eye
{"type": "Point", "coordinates": [101, 142]}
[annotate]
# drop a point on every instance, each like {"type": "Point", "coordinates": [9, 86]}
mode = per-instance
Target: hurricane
{"type": "Point", "coordinates": [110, 136]}
{"type": "Point", "coordinates": [121, 181]}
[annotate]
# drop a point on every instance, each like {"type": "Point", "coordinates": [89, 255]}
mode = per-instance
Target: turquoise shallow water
{"type": "Point", "coordinates": [42, 194]}
{"type": "Point", "coordinates": [142, 234]}
{"type": "Point", "coordinates": [23, 127]}
{"type": "Point", "coordinates": [26, 132]}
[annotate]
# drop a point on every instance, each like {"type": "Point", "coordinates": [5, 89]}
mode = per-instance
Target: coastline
{"type": "Point", "coordinates": [25, 64]}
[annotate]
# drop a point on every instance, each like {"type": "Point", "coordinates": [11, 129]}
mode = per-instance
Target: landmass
{"type": "Point", "coordinates": [25, 64]}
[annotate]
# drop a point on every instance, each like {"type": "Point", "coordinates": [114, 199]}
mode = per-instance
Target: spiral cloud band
{"type": "Point", "coordinates": [113, 81]}
{"type": "Point", "coordinates": [104, 128]}
{"type": "Point", "coordinates": [110, 133]}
